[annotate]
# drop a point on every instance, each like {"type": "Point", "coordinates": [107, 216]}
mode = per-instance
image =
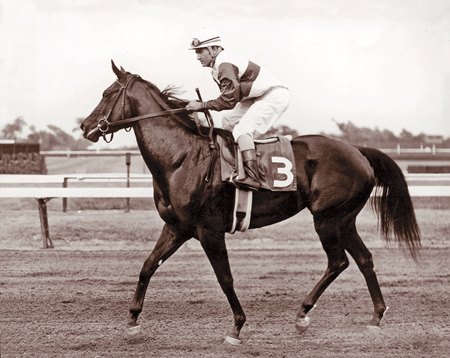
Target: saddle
{"type": "Point", "coordinates": [276, 164]}
{"type": "Point", "coordinates": [276, 167]}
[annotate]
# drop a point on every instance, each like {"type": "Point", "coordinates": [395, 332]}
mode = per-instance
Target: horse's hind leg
{"type": "Point", "coordinates": [168, 242]}
{"type": "Point", "coordinates": [328, 231]}
{"type": "Point", "coordinates": [214, 245]}
{"type": "Point", "coordinates": [363, 258]}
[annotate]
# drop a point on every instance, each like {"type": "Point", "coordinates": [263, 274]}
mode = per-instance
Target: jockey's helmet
{"type": "Point", "coordinates": [206, 38]}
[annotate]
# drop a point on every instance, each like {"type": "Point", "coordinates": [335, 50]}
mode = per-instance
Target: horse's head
{"type": "Point", "coordinates": [115, 105]}
{"type": "Point", "coordinates": [129, 96]}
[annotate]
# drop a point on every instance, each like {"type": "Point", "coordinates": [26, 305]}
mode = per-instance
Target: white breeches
{"type": "Point", "coordinates": [254, 116]}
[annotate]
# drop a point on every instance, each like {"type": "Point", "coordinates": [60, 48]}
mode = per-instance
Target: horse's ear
{"type": "Point", "coordinates": [122, 69]}
{"type": "Point", "coordinates": [118, 72]}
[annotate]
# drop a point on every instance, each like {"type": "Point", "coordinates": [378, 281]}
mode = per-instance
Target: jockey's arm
{"type": "Point", "coordinates": [229, 91]}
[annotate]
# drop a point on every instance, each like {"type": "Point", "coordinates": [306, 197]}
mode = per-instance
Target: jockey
{"type": "Point", "coordinates": [254, 97]}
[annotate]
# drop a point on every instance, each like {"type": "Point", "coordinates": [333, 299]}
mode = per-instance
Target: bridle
{"type": "Point", "coordinates": [104, 125]}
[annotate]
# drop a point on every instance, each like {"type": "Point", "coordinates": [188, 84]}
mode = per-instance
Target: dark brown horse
{"type": "Point", "coordinates": [334, 181]}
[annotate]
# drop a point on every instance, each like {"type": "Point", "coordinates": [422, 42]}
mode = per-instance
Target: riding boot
{"type": "Point", "coordinates": [251, 180]}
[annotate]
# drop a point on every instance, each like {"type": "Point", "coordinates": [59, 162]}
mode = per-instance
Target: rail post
{"type": "Point", "coordinates": [46, 241]}
{"type": "Point", "coordinates": [128, 163]}
{"type": "Point", "coordinates": [64, 200]}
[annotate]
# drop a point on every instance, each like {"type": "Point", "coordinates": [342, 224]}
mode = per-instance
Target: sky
{"type": "Point", "coordinates": [378, 63]}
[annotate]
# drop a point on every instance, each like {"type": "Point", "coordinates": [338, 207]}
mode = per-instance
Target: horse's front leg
{"type": "Point", "coordinates": [214, 245]}
{"type": "Point", "coordinates": [169, 242]}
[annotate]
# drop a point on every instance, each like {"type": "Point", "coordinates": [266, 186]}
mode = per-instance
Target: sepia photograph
{"type": "Point", "coordinates": [218, 179]}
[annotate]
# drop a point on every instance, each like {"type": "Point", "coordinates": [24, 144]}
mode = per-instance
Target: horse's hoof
{"type": "Point", "coordinates": [132, 331]}
{"type": "Point", "coordinates": [233, 341]}
{"type": "Point", "coordinates": [302, 324]}
{"type": "Point", "coordinates": [373, 328]}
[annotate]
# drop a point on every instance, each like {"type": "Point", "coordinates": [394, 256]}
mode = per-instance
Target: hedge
{"type": "Point", "coordinates": [22, 163]}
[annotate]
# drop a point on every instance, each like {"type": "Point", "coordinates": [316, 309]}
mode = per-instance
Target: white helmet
{"type": "Point", "coordinates": [206, 38]}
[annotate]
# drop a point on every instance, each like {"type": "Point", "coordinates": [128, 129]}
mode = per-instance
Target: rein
{"type": "Point", "coordinates": [104, 121]}
{"type": "Point", "coordinates": [104, 125]}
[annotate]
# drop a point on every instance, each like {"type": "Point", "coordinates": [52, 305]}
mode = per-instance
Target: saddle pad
{"type": "Point", "coordinates": [276, 164]}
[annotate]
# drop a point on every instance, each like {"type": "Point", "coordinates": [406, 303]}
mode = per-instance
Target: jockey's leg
{"type": "Point", "coordinates": [262, 113]}
{"type": "Point", "coordinates": [247, 148]}
{"type": "Point", "coordinates": [258, 115]}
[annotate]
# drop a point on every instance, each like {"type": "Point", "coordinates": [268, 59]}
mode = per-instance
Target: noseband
{"type": "Point", "coordinates": [103, 124]}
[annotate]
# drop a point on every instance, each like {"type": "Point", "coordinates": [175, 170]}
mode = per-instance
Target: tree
{"type": "Point", "coordinates": [78, 123]}
{"type": "Point", "coordinates": [56, 138]}
{"type": "Point", "coordinates": [53, 138]}
{"type": "Point", "coordinates": [281, 130]}
{"type": "Point", "coordinates": [14, 130]}
{"type": "Point", "coordinates": [365, 136]}
{"type": "Point", "coordinates": [406, 135]}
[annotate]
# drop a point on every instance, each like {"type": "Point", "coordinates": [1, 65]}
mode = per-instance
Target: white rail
{"type": "Point", "coordinates": [420, 185]}
{"type": "Point", "coordinates": [429, 191]}
{"type": "Point", "coordinates": [74, 192]}
{"type": "Point", "coordinates": [59, 178]}
{"type": "Point", "coordinates": [30, 186]}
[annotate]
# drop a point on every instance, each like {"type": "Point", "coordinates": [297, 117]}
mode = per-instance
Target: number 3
{"type": "Point", "coordinates": [285, 170]}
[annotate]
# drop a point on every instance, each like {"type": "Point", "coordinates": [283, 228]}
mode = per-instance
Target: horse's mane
{"type": "Point", "coordinates": [170, 93]}
{"type": "Point", "coordinates": [170, 96]}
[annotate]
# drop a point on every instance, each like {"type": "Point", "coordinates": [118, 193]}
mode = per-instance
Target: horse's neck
{"type": "Point", "coordinates": [163, 142]}
{"type": "Point", "coordinates": [160, 138]}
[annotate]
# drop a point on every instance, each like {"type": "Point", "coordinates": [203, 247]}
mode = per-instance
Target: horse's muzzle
{"type": "Point", "coordinates": [93, 135]}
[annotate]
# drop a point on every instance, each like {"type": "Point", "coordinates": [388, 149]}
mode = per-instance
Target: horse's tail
{"type": "Point", "coordinates": [392, 201]}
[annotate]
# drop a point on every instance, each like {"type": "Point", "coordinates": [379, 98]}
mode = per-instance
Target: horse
{"type": "Point", "coordinates": [334, 182]}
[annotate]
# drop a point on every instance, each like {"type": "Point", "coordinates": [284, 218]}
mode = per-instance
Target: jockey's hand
{"type": "Point", "coordinates": [194, 106]}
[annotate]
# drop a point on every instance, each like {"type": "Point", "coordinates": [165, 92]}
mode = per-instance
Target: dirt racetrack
{"type": "Point", "coordinates": [72, 301]}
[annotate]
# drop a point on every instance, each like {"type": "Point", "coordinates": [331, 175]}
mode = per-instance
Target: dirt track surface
{"type": "Point", "coordinates": [74, 303]}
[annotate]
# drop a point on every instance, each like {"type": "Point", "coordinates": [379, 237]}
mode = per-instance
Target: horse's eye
{"type": "Point", "coordinates": [105, 94]}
